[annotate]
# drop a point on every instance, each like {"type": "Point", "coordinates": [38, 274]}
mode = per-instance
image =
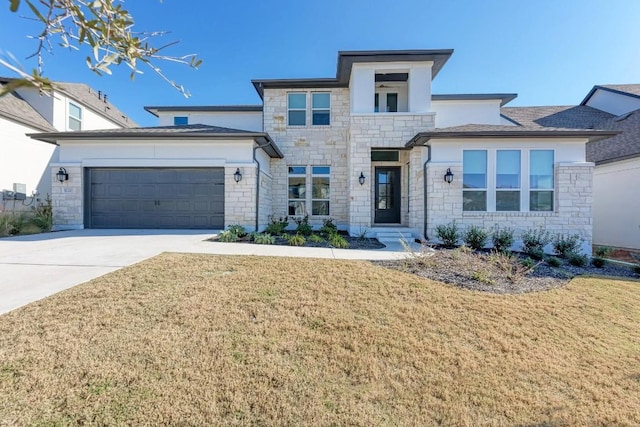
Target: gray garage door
{"type": "Point", "coordinates": [154, 198]}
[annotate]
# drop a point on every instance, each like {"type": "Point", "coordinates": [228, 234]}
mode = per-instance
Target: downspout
{"type": "Point", "coordinates": [255, 160]}
{"type": "Point", "coordinates": [424, 177]}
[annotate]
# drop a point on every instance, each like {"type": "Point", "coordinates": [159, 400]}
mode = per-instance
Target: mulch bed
{"type": "Point", "coordinates": [354, 242]}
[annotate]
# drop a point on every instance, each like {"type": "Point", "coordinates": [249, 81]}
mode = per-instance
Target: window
{"type": "Point", "coordinates": [297, 109]}
{"type": "Point", "coordinates": [376, 102]}
{"type": "Point", "coordinates": [392, 103]}
{"type": "Point", "coordinates": [508, 180]}
{"type": "Point", "coordinates": [75, 117]}
{"type": "Point", "coordinates": [541, 180]}
{"type": "Point", "coordinates": [321, 109]}
{"type": "Point", "coordinates": [474, 180]}
{"type": "Point", "coordinates": [384, 156]}
{"type": "Point", "coordinates": [297, 190]}
{"type": "Point", "coordinates": [180, 121]}
{"type": "Point", "coordinates": [321, 185]}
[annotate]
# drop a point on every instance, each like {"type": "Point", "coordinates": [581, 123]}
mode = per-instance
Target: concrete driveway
{"type": "Point", "coordinates": [34, 267]}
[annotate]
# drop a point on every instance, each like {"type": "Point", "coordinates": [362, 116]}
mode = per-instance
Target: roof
{"type": "Point", "coordinates": [216, 108]}
{"type": "Point", "coordinates": [624, 146]}
{"type": "Point", "coordinates": [346, 59]}
{"type": "Point", "coordinates": [502, 131]}
{"type": "Point", "coordinates": [196, 131]}
{"type": "Point", "coordinates": [632, 90]}
{"type": "Point", "coordinates": [503, 97]}
{"type": "Point", "coordinates": [13, 107]}
{"type": "Point", "coordinates": [92, 99]}
{"type": "Point", "coordinates": [560, 116]}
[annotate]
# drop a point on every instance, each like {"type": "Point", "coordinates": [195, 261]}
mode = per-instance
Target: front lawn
{"type": "Point", "coordinates": [211, 340]}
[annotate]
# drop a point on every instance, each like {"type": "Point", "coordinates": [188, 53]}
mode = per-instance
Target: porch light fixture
{"type": "Point", "coordinates": [361, 178]}
{"type": "Point", "coordinates": [448, 177]}
{"type": "Point", "coordinates": [62, 175]}
{"type": "Point", "coordinates": [238, 175]}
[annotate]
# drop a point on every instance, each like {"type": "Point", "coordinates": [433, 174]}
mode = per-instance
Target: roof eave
{"type": "Point", "coordinates": [423, 137]}
{"type": "Point", "coordinates": [607, 89]}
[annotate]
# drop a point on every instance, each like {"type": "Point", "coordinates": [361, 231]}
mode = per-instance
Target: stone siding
{"type": "Point", "coordinates": [67, 198]}
{"type": "Point", "coordinates": [239, 197]}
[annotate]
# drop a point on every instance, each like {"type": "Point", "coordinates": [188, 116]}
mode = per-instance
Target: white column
{"type": "Point", "coordinates": [362, 88]}
{"type": "Point", "coordinates": [420, 89]}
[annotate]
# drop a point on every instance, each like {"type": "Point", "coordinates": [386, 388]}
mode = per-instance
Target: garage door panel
{"type": "Point", "coordinates": [156, 198]}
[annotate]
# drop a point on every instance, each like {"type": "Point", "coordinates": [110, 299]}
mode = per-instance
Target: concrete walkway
{"type": "Point", "coordinates": [34, 267]}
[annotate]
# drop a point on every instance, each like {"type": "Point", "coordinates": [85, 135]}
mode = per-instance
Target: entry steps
{"type": "Point", "coordinates": [393, 234]}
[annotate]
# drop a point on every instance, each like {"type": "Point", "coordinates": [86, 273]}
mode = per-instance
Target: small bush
{"type": "Point", "coordinates": [483, 276]}
{"type": "Point", "coordinates": [502, 239]}
{"type": "Point", "coordinates": [363, 233]}
{"type": "Point", "coordinates": [536, 253]}
{"type": "Point", "coordinates": [566, 244]}
{"type": "Point", "coordinates": [475, 237]}
{"type": "Point", "coordinates": [238, 230]}
{"type": "Point", "coordinates": [328, 227]}
{"type": "Point", "coordinates": [304, 228]}
{"type": "Point", "coordinates": [577, 259]}
{"type": "Point", "coordinates": [528, 263]}
{"type": "Point", "coordinates": [534, 240]}
{"type": "Point", "coordinates": [264, 239]}
{"type": "Point", "coordinates": [448, 234]}
{"type": "Point", "coordinates": [277, 226]}
{"type": "Point", "coordinates": [337, 241]}
{"type": "Point", "coordinates": [509, 264]}
{"type": "Point", "coordinates": [316, 239]}
{"type": "Point", "coordinates": [598, 262]}
{"type": "Point", "coordinates": [554, 261]}
{"type": "Point", "coordinates": [227, 237]}
{"type": "Point", "coordinates": [297, 240]}
{"type": "Point", "coordinates": [43, 215]}
{"type": "Point", "coordinates": [603, 251]}
{"type": "Point", "coordinates": [636, 268]}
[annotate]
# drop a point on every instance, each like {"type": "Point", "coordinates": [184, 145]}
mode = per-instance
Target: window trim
{"type": "Point", "coordinates": [289, 109]}
{"type": "Point", "coordinates": [306, 185]}
{"type": "Point", "coordinates": [314, 110]}
{"type": "Point", "coordinates": [71, 117]}
{"type": "Point", "coordinates": [328, 199]}
{"type": "Point", "coordinates": [308, 199]}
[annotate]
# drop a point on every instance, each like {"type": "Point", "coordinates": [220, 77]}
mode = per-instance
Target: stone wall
{"type": "Point", "coordinates": [239, 197]}
{"type": "Point", "coordinates": [266, 199]}
{"type": "Point", "coordinates": [67, 198]}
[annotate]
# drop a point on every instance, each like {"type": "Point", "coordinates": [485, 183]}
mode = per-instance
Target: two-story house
{"type": "Point", "coordinates": [371, 148]}
{"type": "Point", "coordinates": [24, 162]}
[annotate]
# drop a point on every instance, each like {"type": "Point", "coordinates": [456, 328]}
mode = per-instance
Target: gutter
{"type": "Point", "coordinates": [424, 177]}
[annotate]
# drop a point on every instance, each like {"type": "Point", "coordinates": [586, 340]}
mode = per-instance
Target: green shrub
{"type": "Point", "coordinates": [554, 261]}
{"type": "Point", "coordinates": [12, 224]}
{"type": "Point", "coordinates": [277, 226]}
{"type": "Point", "coordinates": [528, 263]}
{"type": "Point", "coordinates": [297, 240]}
{"type": "Point", "coordinates": [363, 233]}
{"type": "Point", "coordinates": [227, 237]}
{"type": "Point", "coordinates": [316, 239]}
{"type": "Point", "coordinates": [337, 241]}
{"type": "Point", "coordinates": [598, 262]}
{"type": "Point", "coordinates": [328, 227]}
{"type": "Point", "coordinates": [43, 215]}
{"type": "Point", "coordinates": [475, 237]}
{"type": "Point", "coordinates": [502, 239]}
{"type": "Point", "coordinates": [603, 251]}
{"type": "Point", "coordinates": [448, 234]}
{"type": "Point", "coordinates": [534, 240]}
{"type": "Point", "coordinates": [238, 230]}
{"type": "Point", "coordinates": [304, 228]}
{"type": "Point", "coordinates": [566, 244]}
{"type": "Point", "coordinates": [577, 259]}
{"type": "Point", "coordinates": [264, 239]}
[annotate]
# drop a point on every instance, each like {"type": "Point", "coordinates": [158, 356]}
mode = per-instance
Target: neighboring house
{"type": "Point", "coordinates": [616, 180]}
{"type": "Point", "coordinates": [23, 160]}
{"type": "Point", "coordinates": [369, 148]}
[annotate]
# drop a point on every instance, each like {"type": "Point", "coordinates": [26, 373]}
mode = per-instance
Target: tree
{"type": "Point", "coordinates": [103, 25]}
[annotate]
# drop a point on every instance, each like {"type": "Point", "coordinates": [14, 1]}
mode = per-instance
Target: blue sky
{"type": "Point", "coordinates": [550, 52]}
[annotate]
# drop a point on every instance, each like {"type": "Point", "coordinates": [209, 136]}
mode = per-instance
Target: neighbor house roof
{"type": "Point", "coordinates": [632, 90]}
{"type": "Point", "coordinates": [626, 145]}
{"type": "Point", "coordinates": [346, 59]}
{"type": "Point", "coordinates": [501, 131]}
{"type": "Point", "coordinates": [560, 116]}
{"type": "Point", "coordinates": [196, 131]}
{"type": "Point", "coordinates": [13, 107]}
{"type": "Point", "coordinates": [215, 108]}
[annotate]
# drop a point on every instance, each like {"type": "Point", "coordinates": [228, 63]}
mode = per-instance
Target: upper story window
{"type": "Point", "coordinates": [321, 109]}
{"type": "Point", "coordinates": [75, 117]}
{"type": "Point", "coordinates": [180, 120]}
{"type": "Point", "coordinates": [392, 102]}
{"type": "Point", "coordinates": [297, 109]}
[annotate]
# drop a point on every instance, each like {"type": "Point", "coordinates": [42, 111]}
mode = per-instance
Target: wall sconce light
{"type": "Point", "coordinates": [237, 176]}
{"type": "Point", "coordinates": [62, 175]}
{"type": "Point", "coordinates": [448, 177]}
{"type": "Point", "coordinates": [361, 178]}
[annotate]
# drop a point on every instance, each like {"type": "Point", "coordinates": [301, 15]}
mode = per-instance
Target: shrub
{"type": "Point", "coordinates": [554, 261]}
{"type": "Point", "coordinates": [316, 239]}
{"type": "Point", "coordinates": [636, 268]}
{"type": "Point", "coordinates": [509, 264]}
{"type": "Point", "coordinates": [482, 276]}
{"type": "Point", "coordinates": [12, 224]}
{"type": "Point", "coordinates": [363, 233]}
{"type": "Point", "coordinates": [534, 240]}
{"type": "Point", "coordinates": [528, 263]}
{"type": "Point", "coordinates": [277, 226]}
{"type": "Point", "coordinates": [264, 239]}
{"type": "Point", "coordinates": [566, 244]}
{"type": "Point", "coordinates": [238, 230]}
{"type": "Point", "coordinates": [297, 240]}
{"type": "Point", "coordinates": [304, 228]}
{"type": "Point", "coordinates": [475, 237]}
{"type": "Point", "coordinates": [577, 259]}
{"type": "Point", "coordinates": [448, 234]}
{"type": "Point", "coordinates": [43, 215]}
{"type": "Point", "coordinates": [227, 236]}
{"type": "Point", "coordinates": [328, 227]}
{"type": "Point", "coordinates": [598, 262]}
{"type": "Point", "coordinates": [502, 239]}
{"type": "Point", "coordinates": [603, 251]}
{"type": "Point", "coordinates": [337, 241]}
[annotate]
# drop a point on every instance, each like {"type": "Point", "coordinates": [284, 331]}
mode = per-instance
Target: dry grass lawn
{"type": "Point", "coordinates": [209, 340]}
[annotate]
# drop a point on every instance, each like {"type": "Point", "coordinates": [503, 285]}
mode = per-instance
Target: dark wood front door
{"type": "Point", "coordinates": [387, 197]}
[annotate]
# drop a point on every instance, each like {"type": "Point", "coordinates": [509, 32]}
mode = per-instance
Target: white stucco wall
{"type": "Point", "coordinates": [22, 159]}
{"type": "Point", "coordinates": [244, 120]}
{"type": "Point", "coordinates": [616, 204]}
{"type": "Point", "coordinates": [463, 112]}
{"type": "Point", "coordinates": [613, 103]}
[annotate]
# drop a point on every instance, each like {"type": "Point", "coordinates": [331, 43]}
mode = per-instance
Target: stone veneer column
{"type": "Point", "coordinates": [67, 198]}
{"type": "Point", "coordinates": [239, 197]}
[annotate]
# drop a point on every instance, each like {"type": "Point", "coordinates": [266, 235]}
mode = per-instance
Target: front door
{"type": "Point", "coordinates": [387, 197]}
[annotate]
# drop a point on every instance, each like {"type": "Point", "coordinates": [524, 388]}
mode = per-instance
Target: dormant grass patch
{"type": "Point", "coordinates": [210, 340]}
